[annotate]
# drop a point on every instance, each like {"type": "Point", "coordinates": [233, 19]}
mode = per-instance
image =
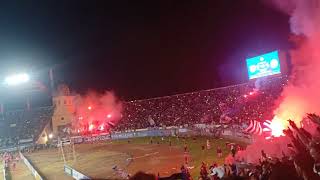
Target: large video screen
{"type": "Point", "coordinates": [263, 65]}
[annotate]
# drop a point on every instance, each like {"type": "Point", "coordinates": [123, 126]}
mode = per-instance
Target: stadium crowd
{"type": "Point", "coordinates": [302, 161]}
{"type": "Point", "coordinates": [241, 103]}
{"type": "Point", "coordinates": [235, 104]}
{"type": "Point", "coordinates": [22, 125]}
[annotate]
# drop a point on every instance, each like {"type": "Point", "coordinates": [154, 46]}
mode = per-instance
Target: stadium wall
{"type": "Point", "coordinates": [171, 131]}
{"type": "Point", "coordinates": [15, 148]}
{"type": "Point", "coordinates": [9, 149]}
{"type": "Point", "coordinates": [126, 135]}
{"type": "Point", "coordinates": [238, 136]}
{"type": "Point", "coordinates": [74, 173]}
{"type": "Point", "coordinates": [34, 172]}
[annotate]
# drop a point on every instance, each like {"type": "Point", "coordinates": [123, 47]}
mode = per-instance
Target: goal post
{"type": "Point", "coordinates": [67, 149]}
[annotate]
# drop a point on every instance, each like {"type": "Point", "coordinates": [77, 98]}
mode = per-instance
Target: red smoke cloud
{"type": "Point", "coordinates": [96, 112]}
{"type": "Point", "coordinates": [273, 148]}
{"type": "Point", "coordinates": [301, 94]}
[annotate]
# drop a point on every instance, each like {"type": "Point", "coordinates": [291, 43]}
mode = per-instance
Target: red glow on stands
{"type": "Point", "coordinates": [250, 94]}
{"type": "Point", "coordinates": [91, 126]}
{"type": "Point", "coordinates": [268, 137]}
{"type": "Point", "coordinates": [277, 126]}
{"type": "Point", "coordinates": [94, 111]}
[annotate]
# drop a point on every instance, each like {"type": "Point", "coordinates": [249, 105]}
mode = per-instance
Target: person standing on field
{"type": "Point", "coordinates": [219, 152]}
{"type": "Point", "coordinates": [208, 144]}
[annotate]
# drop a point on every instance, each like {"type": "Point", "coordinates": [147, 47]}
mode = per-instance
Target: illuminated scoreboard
{"type": "Point", "coordinates": [263, 65]}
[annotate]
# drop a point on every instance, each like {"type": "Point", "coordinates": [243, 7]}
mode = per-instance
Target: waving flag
{"type": "Point", "coordinates": [254, 128]}
{"type": "Point", "coordinates": [259, 128]}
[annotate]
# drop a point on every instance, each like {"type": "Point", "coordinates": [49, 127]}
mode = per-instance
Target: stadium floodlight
{"type": "Point", "coordinates": [16, 79]}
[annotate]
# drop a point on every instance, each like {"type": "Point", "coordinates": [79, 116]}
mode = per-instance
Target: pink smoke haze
{"type": "Point", "coordinates": [302, 93]}
{"type": "Point", "coordinates": [96, 111]}
{"type": "Point", "coordinates": [273, 148]}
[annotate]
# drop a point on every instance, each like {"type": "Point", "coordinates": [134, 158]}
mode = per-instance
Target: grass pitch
{"type": "Point", "coordinates": [21, 172]}
{"type": "Point", "coordinates": [96, 160]}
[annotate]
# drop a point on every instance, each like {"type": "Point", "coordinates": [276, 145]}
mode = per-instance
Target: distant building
{"type": "Point", "coordinates": [64, 110]}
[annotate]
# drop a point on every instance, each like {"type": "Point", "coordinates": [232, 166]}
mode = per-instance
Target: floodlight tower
{"type": "Point", "coordinates": [24, 82]}
{"type": "Point", "coordinates": [16, 79]}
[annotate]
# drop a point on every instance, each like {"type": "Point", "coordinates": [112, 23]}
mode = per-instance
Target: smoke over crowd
{"type": "Point", "coordinates": [301, 94]}
{"type": "Point", "coordinates": [96, 112]}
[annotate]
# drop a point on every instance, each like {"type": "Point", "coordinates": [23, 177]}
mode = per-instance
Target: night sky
{"type": "Point", "coordinates": [139, 49]}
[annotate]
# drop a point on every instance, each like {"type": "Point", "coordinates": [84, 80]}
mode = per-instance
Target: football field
{"type": "Point", "coordinates": [96, 160]}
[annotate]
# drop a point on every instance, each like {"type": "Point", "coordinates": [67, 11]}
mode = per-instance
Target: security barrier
{"type": "Point", "coordinates": [74, 173]}
{"type": "Point", "coordinates": [125, 135]}
{"type": "Point", "coordinates": [31, 168]}
{"type": "Point", "coordinates": [4, 171]}
{"type": "Point", "coordinates": [170, 131]}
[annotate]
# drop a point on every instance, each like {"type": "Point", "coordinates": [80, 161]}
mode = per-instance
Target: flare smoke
{"type": "Point", "coordinates": [302, 93]}
{"type": "Point", "coordinates": [97, 109]}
